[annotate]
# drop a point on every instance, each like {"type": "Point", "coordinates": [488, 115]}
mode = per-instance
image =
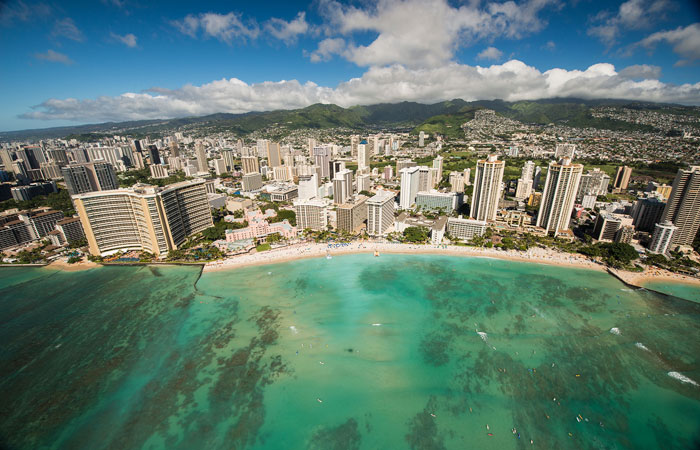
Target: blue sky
{"type": "Point", "coordinates": [110, 60]}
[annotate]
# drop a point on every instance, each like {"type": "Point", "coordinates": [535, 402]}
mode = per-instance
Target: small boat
{"type": "Point", "coordinates": [376, 253]}
{"type": "Point", "coordinates": [319, 400]}
{"type": "Point", "coordinates": [578, 419]}
{"type": "Point", "coordinates": [490, 434]}
{"type": "Point", "coordinates": [433, 415]}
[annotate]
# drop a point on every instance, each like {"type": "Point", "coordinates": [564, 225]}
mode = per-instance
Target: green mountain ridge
{"type": "Point", "coordinates": [444, 117]}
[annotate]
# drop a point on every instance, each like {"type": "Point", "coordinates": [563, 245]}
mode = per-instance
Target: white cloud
{"type": "Point", "coordinates": [288, 31]}
{"type": "Point", "coordinates": [491, 53]}
{"type": "Point", "coordinates": [128, 39]}
{"type": "Point", "coordinates": [53, 56]}
{"type": "Point", "coordinates": [632, 14]}
{"type": "Point", "coordinates": [509, 81]}
{"type": "Point", "coordinates": [67, 28]}
{"type": "Point", "coordinates": [327, 48]}
{"type": "Point", "coordinates": [224, 27]}
{"type": "Point", "coordinates": [685, 42]}
{"type": "Point", "coordinates": [420, 33]}
{"type": "Point", "coordinates": [641, 72]}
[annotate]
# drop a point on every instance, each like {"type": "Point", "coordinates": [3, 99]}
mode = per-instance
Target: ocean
{"type": "Point", "coordinates": [356, 352]}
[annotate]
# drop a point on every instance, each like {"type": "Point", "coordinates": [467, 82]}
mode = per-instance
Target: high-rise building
{"type": "Point", "coordinates": [404, 164]}
{"type": "Point", "coordinates": [308, 186]}
{"type": "Point", "coordinates": [90, 177]}
{"type": "Point", "coordinates": [354, 144]}
{"type": "Point", "coordinates": [683, 206]}
{"type": "Point", "coordinates": [174, 148]}
{"type": "Point", "coordinates": [595, 182]}
{"type": "Point", "coordinates": [6, 158]}
{"type": "Point", "coordinates": [607, 226]}
{"type": "Point", "coordinates": [229, 159]}
{"type": "Point", "coordinates": [342, 186]}
{"type": "Point", "coordinates": [663, 237]}
{"type": "Point", "coordinates": [352, 215]}
{"type": "Point", "coordinates": [467, 177]}
{"type": "Point", "coordinates": [559, 195]}
{"type": "Point", "coordinates": [251, 182]}
{"type": "Point", "coordinates": [437, 164]}
{"type": "Point", "coordinates": [421, 139]}
{"type": "Point", "coordinates": [148, 218]}
{"type": "Point", "coordinates": [524, 189]}
{"type": "Point", "coordinates": [528, 171]}
{"type": "Point", "coordinates": [322, 157]}
{"type": "Point", "coordinates": [250, 164]}
{"type": "Point", "coordinates": [646, 213]}
{"type": "Point", "coordinates": [201, 154]}
{"type": "Point", "coordinates": [219, 166]}
{"type": "Point", "coordinates": [153, 154]}
{"type": "Point", "coordinates": [388, 173]}
{"type": "Point", "coordinates": [622, 178]}
{"type": "Point", "coordinates": [364, 182]}
{"type": "Point", "coordinates": [409, 186]}
{"type": "Point", "coordinates": [488, 180]}
{"type": "Point", "coordinates": [312, 214]}
{"type": "Point", "coordinates": [273, 157]}
{"type": "Point", "coordinates": [363, 157]}
{"type": "Point", "coordinates": [456, 182]}
{"type": "Point", "coordinates": [434, 201]}
{"type": "Point", "coordinates": [380, 213]}
{"type": "Point", "coordinates": [425, 178]}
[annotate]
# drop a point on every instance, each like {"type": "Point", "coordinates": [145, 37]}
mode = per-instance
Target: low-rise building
{"type": "Point", "coordinates": [438, 201]}
{"type": "Point", "coordinates": [465, 229]}
{"type": "Point", "coordinates": [258, 227]}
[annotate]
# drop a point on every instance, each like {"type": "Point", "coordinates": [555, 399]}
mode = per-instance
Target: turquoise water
{"type": "Point", "coordinates": [682, 290]}
{"type": "Point", "coordinates": [353, 352]}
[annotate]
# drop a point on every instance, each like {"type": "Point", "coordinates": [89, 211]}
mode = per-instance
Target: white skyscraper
{"type": "Point", "coordinates": [308, 186]}
{"type": "Point", "coordinates": [380, 213]}
{"type": "Point", "coordinates": [663, 236]}
{"type": "Point", "coordinates": [488, 181]}
{"type": "Point", "coordinates": [322, 158]}
{"type": "Point", "coordinates": [421, 139]}
{"type": "Point", "coordinates": [363, 157]}
{"type": "Point", "coordinates": [409, 186]}
{"type": "Point", "coordinates": [342, 186]}
{"type": "Point", "coordinates": [437, 164]}
{"type": "Point", "coordinates": [560, 188]}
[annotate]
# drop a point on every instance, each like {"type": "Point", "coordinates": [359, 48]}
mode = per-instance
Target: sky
{"type": "Point", "coordinates": [75, 62]}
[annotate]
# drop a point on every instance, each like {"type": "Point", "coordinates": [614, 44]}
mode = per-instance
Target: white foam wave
{"type": "Point", "coordinates": [294, 329]}
{"type": "Point", "coordinates": [483, 336]}
{"type": "Point", "coordinates": [682, 378]}
{"type": "Point", "coordinates": [615, 331]}
{"type": "Point", "coordinates": [376, 324]}
{"type": "Point", "coordinates": [642, 346]}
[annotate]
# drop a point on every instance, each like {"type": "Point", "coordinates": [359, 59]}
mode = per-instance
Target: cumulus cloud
{"type": "Point", "coordinates": [685, 42]}
{"type": "Point", "coordinates": [420, 33]}
{"type": "Point", "coordinates": [327, 48]}
{"type": "Point", "coordinates": [491, 53]}
{"type": "Point", "coordinates": [511, 81]}
{"type": "Point", "coordinates": [224, 27]}
{"type": "Point", "coordinates": [128, 39]}
{"type": "Point", "coordinates": [632, 14]}
{"type": "Point", "coordinates": [53, 56]}
{"type": "Point", "coordinates": [641, 72]}
{"type": "Point", "coordinates": [66, 28]}
{"type": "Point", "coordinates": [288, 31]}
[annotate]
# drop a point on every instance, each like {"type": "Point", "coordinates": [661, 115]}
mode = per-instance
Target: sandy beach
{"type": "Point", "coordinates": [654, 274]}
{"type": "Point", "coordinates": [61, 264]}
{"type": "Point", "coordinates": [313, 250]}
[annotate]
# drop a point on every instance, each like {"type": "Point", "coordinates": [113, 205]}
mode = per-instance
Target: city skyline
{"type": "Point", "coordinates": [117, 60]}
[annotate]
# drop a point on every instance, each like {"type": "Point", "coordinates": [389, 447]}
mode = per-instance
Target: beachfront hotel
{"type": "Point", "coordinates": [312, 214]}
{"type": "Point", "coordinates": [488, 181]}
{"type": "Point", "coordinates": [143, 217]}
{"type": "Point", "coordinates": [380, 213]}
{"type": "Point", "coordinates": [683, 206]}
{"type": "Point", "coordinates": [560, 189]}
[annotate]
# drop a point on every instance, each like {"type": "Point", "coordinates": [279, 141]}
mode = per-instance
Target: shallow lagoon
{"type": "Point", "coordinates": [400, 351]}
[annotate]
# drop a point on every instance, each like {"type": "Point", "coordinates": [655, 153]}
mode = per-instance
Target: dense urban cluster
{"type": "Point", "coordinates": [198, 194]}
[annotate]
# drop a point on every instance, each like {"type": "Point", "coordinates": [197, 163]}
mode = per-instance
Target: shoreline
{"type": "Point", "coordinates": [314, 250]}
{"type": "Point", "coordinates": [654, 275]}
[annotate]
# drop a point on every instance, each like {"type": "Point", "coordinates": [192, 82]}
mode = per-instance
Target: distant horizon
{"type": "Point", "coordinates": [118, 60]}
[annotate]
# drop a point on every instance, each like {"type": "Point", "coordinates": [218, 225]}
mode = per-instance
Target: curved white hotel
{"type": "Point", "coordinates": [143, 217]}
